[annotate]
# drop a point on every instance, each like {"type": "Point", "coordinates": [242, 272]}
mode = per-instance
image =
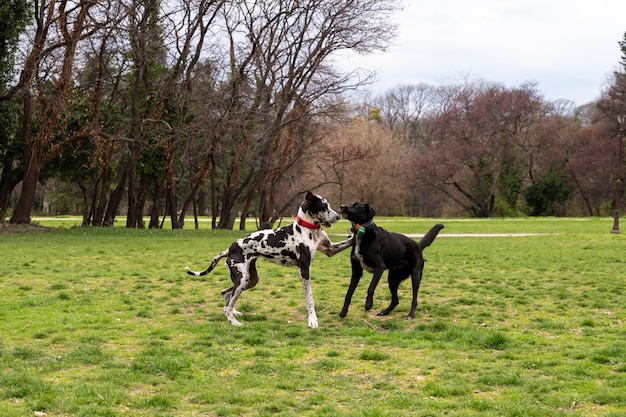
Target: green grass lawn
{"type": "Point", "coordinates": [104, 322]}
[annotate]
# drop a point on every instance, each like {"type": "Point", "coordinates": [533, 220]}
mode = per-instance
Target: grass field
{"type": "Point", "coordinates": [517, 317]}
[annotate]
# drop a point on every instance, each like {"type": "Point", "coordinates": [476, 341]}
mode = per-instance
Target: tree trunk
{"type": "Point", "coordinates": [8, 181]}
{"type": "Point", "coordinates": [21, 214]}
{"type": "Point", "coordinates": [115, 201]}
{"type": "Point", "coordinates": [171, 202]}
{"type": "Point", "coordinates": [100, 208]}
{"type": "Point", "coordinates": [32, 156]}
{"type": "Point", "coordinates": [131, 216]}
{"type": "Point", "coordinates": [86, 207]}
{"type": "Point", "coordinates": [227, 213]}
{"type": "Point", "coordinates": [38, 148]}
{"type": "Point", "coordinates": [201, 203]}
{"type": "Point", "coordinates": [197, 183]}
{"type": "Point", "coordinates": [154, 212]}
{"type": "Point", "coordinates": [141, 203]}
{"type": "Point", "coordinates": [214, 206]}
{"type": "Point", "coordinates": [244, 214]}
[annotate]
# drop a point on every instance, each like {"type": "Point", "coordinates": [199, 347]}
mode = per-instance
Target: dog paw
{"type": "Point", "coordinates": [234, 321]}
{"type": "Point", "coordinates": [369, 305]}
{"type": "Point", "coordinates": [343, 314]}
{"type": "Point", "coordinates": [313, 322]}
{"type": "Point", "coordinates": [230, 315]}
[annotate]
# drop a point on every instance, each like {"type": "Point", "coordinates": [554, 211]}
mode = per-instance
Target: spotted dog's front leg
{"type": "Point", "coordinates": [329, 248]}
{"type": "Point", "coordinates": [304, 268]}
{"type": "Point", "coordinates": [310, 305]}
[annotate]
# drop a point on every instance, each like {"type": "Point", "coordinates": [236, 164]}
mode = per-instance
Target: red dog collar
{"type": "Point", "coordinates": [306, 224]}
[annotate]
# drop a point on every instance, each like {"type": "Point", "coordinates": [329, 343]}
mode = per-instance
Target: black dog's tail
{"type": "Point", "coordinates": [219, 256]}
{"type": "Point", "coordinates": [430, 236]}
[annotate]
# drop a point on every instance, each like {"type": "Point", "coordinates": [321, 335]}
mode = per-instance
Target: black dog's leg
{"type": "Point", "coordinates": [394, 282]}
{"type": "Point", "coordinates": [357, 273]}
{"type": "Point", "coordinates": [369, 301]}
{"type": "Point", "coordinates": [416, 279]}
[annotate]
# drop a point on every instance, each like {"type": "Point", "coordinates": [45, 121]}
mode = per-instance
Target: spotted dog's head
{"type": "Point", "coordinates": [318, 209]}
{"type": "Point", "coordinates": [357, 213]}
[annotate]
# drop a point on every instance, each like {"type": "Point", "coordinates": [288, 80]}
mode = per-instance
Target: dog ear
{"type": "Point", "coordinates": [371, 210]}
{"type": "Point", "coordinates": [307, 201]}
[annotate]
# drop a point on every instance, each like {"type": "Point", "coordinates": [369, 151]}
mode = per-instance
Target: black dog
{"type": "Point", "coordinates": [375, 250]}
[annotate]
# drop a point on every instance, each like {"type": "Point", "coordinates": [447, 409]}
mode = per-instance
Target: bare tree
{"type": "Point", "coordinates": [377, 172]}
{"type": "Point", "coordinates": [479, 145]}
{"type": "Point", "coordinates": [46, 78]}
{"type": "Point", "coordinates": [407, 111]}
{"type": "Point", "coordinates": [279, 76]}
{"type": "Point", "coordinates": [189, 26]}
{"type": "Point", "coordinates": [152, 91]}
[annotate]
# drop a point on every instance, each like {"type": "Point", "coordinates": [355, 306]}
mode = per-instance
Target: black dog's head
{"type": "Point", "coordinates": [358, 213]}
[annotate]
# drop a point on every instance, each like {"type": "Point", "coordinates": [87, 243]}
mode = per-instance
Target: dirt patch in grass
{"type": "Point", "coordinates": [15, 229]}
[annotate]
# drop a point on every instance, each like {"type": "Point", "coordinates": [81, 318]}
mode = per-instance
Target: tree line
{"type": "Point", "coordinates": [138, 100]}
{"type": "Point", "coordinates": [496, 150]}
{"type": "Point", "coordinates": [148, 107]}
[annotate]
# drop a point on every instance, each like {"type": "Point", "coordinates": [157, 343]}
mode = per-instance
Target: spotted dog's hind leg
{"type": "Point", "coordinates": [227, 294]}
{"type": "Point", "coordinates": [244, 276]}
{"type": "Point", "coordinates": [235, 276]}
{"type": "Point", "coordinates": [252, 281]}
{"type": "Point", "coordinates": [229, 308]}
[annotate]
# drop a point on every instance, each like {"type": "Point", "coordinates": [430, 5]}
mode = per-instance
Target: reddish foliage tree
{"type": "Point", "coordinates": [479, 145]}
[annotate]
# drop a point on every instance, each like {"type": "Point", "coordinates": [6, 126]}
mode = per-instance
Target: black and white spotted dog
{"type": "Point", "coordinates": [292, 245]}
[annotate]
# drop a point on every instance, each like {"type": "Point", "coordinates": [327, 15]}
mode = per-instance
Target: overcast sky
{"type": "Point", "coordinates": [568, 46]}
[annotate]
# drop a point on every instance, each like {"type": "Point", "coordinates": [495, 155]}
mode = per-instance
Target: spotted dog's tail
{"type": "Point", "coordinates": [219, 256]}
{"type": "Point", "coordinates": [429, 237]}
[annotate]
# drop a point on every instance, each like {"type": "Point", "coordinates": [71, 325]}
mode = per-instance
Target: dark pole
{"type": "Point", "coordinates": [618, 181]}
